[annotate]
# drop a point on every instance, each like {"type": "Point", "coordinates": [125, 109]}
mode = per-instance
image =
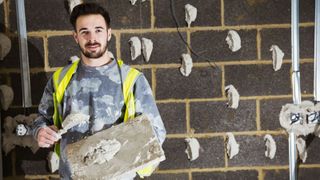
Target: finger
{"type": "Point", "coordinates": [46, 134]}
{"type": "Point", "coordinates": [51, 134]}
{"type": "Point", "coordinates": [54, 128]}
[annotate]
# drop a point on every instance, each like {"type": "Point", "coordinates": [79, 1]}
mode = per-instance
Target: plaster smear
{"type": "Point", "coordinates": [6, 96]}
{"type": "Point", "coordinates": [277, 57]}
{"type": "Point", "coordinates": [135, 47]}
{"type": "Point", "coordinates": [53, 161]}
{"type": "Point", "coordinates": [233, 40]}
{"type": "Point", "coordinates": [190, 13]}
{"type": "Point", "coordinates": [233, 96]}
{"type": "Point", "coordinates": [232, 145]}
{"type": "Point", "coordinates": [186, 65]}
{"type": "Point", "coordinates": [133, 2]}
{"type": "Point", "coordinates": [73, 120]}
{"type": "Point", "coordinates": [303, 127]}
{"type": "Point", "coordinates": [102, 152]}
{"type": "Point", "coordinates": [193, 147]}
{"type": "Point", "coordinates": [271, 146]}
{"type": "Point", "coordinates": [302, 149]}
{"type": "Point", "coordinates": [147, 47]}
{"type": "Point", "coordinates": [73, 3]}
{"type": "Point", "coordinates": [5, 46]}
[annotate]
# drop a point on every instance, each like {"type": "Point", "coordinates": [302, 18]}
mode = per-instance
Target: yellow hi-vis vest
{"type": "Point", "coordinates": [61, 79]}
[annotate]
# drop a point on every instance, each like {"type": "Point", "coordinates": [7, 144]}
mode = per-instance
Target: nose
{"type": "Point", "coordinates": [92, 37]}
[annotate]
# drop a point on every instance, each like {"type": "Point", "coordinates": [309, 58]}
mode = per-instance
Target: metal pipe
{"type": "Point", "coordinates": [296, 91]}
{"type": "Point", "coordinates": [24, 58]}
{"type": "Point", "coordinates": [316, 90]}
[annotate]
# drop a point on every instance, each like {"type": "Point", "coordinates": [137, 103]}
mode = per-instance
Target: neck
{"type": "Point", "coordinates": [96, 62]}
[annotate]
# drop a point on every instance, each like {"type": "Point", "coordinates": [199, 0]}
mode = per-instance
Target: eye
{"type": "Point", "coordinates": [98, 30]}
{"type": "Point", "coordinates": [84, 32]}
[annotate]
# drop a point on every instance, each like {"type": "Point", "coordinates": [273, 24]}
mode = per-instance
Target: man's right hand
{"type": "Point", "coordinates": [47, 136]}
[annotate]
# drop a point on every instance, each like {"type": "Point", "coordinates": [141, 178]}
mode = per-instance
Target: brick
{"type": "Point", "coordinates": [252, 153]}
{"type": "Point", "coordinates": [35, 53]}
{"type": "Point", "coordinates": [276, 174]}
{"type": "Point", "coordinates": [216, 117]}
{"type": "Point", "coordinates": [241, 175]}
{"type": "Point", "coordinates": [123, 15]}
{"type": "Point", "coordinates": [265, 12]}
{"type": "Point", "coordinates": [269, 113]}
{"type": "Point", "coordinates": [211, 154]}
{"type": "Point", "coordinates": [312, 146]}
{"type": "Point", "coordinates": [148, 75]}
{"type": "Point", "coordinates": [20, 110]}
{"type": "Point", "coordinates": [7, 164]}
{"type": "Point", "coordinates": [53, 15]}
{"type": "Point", "coordinates": [167, 48]}
{"type": "Point", "coordinates": [302, 173]}
{"type": "Point", "coordinates": [174, 117]}
{"type": "Point", "coordinates": [282, 38]}
{"type": "Point", "coordinates": [208, 13]}
{"type": "Point", "coordinates": [306, 75]}
{"type": "Point", "coordinates": [32, 164]}
{"type": "Point", "coordinates": [61, 48]}
{"type": "Point", "coordinates": [2, 26]}
{"type": "Point", "coordinates": [213, 46]}
{"type": "Point", "coordinates": [181, 176]}
{"type": "Point", "coordinates": [201, 83]}
{"type": "Point", "coordinates": [258, 80]}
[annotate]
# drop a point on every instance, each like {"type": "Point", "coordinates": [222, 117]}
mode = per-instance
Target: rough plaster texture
{"type": "Point", "coordinates": [231, 145]}
{"type": "Point", "coordinates": [193, 147]}
{"type": "Point", "coordinates": [271, 146]}
{"type": "Point", "coordinates": [6, 96]}
{"type": "Point", "coordinates": [73, 120]}
{"type": "Point", "coordinates": [139, 148]}
{"type": "Point", "coordinates": [277, 57]}
{"type": "Point", "coordinates": [302, 149]}
{"type": "Point", "coordinates": [233, 96]}
{"type": "Point", "coordinates": [190, 13]}
{"type": "Point", "coordinates": [186, 66]}
{"type": "Point", "coordinates": [147, 47]}
{"type": "Point", "coordinates": [233, 40]}
{"type": "Point", "coordinates": [5, 45]}
{"type": "Point", "coordinates": [135, 47]}
{"type": "Point", "coordinates": [73, 3]}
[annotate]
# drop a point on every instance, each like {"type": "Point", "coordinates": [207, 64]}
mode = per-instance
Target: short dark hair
{"type": "Point", "coordinates": [87, 9]}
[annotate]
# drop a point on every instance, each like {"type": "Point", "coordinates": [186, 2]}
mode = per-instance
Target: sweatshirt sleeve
{"type": "Point", "coordinates": [145, 104]}
{"type": "Point", "coordinates": [45, 110]}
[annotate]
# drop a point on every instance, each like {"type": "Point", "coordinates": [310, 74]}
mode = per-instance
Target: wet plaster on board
{"type": "Point", "coordinates": [73, 120]}
{"type": "Point", "coordinates": [6, 96]}
{"type": "Point", "coordinates": [147, 47]}
{"type": "Point", "coordinates": [232, 146]}
{"type": "Point", "coordinates": [139, 149]}
{"type": "Point", "coordinates": [193, 148]}
{"type": "Point", "coordinates": [271, 146]}
{"type": "Point", "coordinates": [233, 40]}
{"type": "Point", "coordinates": [135, 47]}
{"type": "Point", "coordinates": [233, 96]}
{"type": "Point", "coordinates": [302, 149]}
{"type": "Point", "coordinates": [277, 57]}
{"type": "Point", "coordinates": [186, 66]}
{"type": "Point", "coordinates": [5, 46]}
{"type": "Point", "coordinates": [303, 128]}
{"type": "Point", "coordinates": [190, 14]}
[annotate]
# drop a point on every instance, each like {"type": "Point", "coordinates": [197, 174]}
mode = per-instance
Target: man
{"type": "Point", "coordinates": [95, 88]}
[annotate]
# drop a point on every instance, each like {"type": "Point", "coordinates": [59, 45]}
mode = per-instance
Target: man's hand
{"type": "Point", "coordinates": [47, 136]}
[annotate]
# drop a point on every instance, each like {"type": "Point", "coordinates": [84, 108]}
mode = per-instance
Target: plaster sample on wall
{"type": "Point", "coordinates": [73, 3]}
{"type": "Point", "coordinates": [193, 148]}
{"type": "Point", "coordinates": [147, 47]}
{"type": "Point", "coordinates": [6, 96]}
{"type": "Point", "coordinates": [231, 145]}
{"type": "Point", "coordinates": [73, 120]}
{"type": "Point", "coordinates": [190, 13]}
{"type": "Point", "coordinates": [233, 96]}
{"type": "Point", "coordinates": [53, 161]}
{"type": "Point", "coordinates": [186, 65]}
{"type": "Point", "coordinates": [139, 149]}
{"type": "Point", "coordinates": [301, 127]}
{"type": "Point", "coordinates": [10, 138]}
{"type": "Point", "coordinates": [302, 149]}
{"type": "Point", "coordinates": [5, 46]}
{"type": "Point", "coordinates": [1, 1]}
{"type": "Point", "coordinates": [233, 40]}
{"type": "Point", "coordinates": [271, 146]}
{"type": "Point", "coordinates": [277, 57]}
{"type": "Point", "coordinates": [102, 152]}
{"type": "Point", "coordinates": [74, 59]}
{"type": "Point", "coordinates": [133, 2]}
{"type": "Point", "coordinates": [135, 47]}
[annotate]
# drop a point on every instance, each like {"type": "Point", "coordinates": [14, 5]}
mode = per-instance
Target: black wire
{"type": "Point", "coordinates": [214, 65]}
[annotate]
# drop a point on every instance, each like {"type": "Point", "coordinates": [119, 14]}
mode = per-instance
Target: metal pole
{"type": "Point", "coordinates": [316, 90]}
{"type": "Point", "coordinates": [296, 92]}
{"type": "Point", "coordinates": [24, 58]}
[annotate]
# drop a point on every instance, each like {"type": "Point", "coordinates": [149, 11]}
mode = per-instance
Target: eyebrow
{"type": "Point", "coordinates": [98, 27]}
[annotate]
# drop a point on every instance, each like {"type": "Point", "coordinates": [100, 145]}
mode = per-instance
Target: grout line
{"type": "Point", "coordinates": [222, 12]}
{"type": "Point", "coordinates": [188, 116]}
{"type": "Point", "coordinates": [190, 175]}
{"type": "Point", "coordinates": [260, 174]}
{"type": "Point", "coordinates": [118, 45]}
{"type": "Point", "coordinates": [223, 81]}
{"type": "Point", "coordinates": [226, 160]}
{"type": "Point", "coordinates": [259, 44]}
{"type": "Point", "coordinates": [154, 81]}
{"type": "Point", "coordinates": [258, 120]}
{"type": "Point", "coordinates": [152, 14]}
{"type": "Point", "coordinates": [6, 10]}
{"type": "Point", "coordinates": [46, 55]}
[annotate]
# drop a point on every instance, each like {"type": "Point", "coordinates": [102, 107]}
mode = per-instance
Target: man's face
{"type": "Point", "coordinates": [92, 35]}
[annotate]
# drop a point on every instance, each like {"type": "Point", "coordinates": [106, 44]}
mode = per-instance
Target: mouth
{"type": "Point", "coordinates": [92, 46]}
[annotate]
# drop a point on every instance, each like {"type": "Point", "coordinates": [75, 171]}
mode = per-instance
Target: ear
{"type": "Point", "coordinates": [75, 36]}
{"type": "Point", "coordinates": [109, 34]}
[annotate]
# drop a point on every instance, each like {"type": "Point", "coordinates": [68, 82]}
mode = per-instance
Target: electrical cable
{"type": "Point", "coordinates": [214, 65]}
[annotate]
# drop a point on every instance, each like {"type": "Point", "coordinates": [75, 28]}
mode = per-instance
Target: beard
{"type": "Point", "coordinates": [97, 54]}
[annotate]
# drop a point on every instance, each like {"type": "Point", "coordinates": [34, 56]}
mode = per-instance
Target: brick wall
{"type": "Point", "coordinates": [188, 104]}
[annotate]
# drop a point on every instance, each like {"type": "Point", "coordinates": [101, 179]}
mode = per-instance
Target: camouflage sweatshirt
{"type": "Point", "coordinates": [97, 91]}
